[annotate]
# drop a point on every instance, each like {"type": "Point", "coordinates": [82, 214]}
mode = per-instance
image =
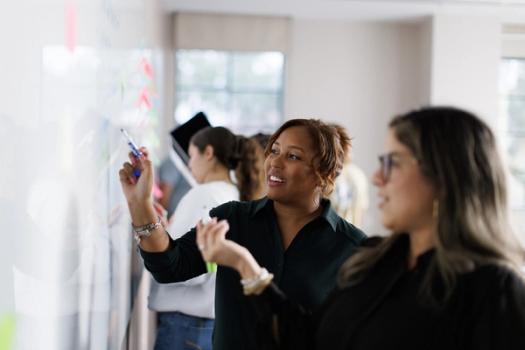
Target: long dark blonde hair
{"type": "Point", "coordinates": [457, 153]}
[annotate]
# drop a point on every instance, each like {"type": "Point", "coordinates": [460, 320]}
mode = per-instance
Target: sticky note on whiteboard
{"type": "Point", "coordinates": [71, 27]}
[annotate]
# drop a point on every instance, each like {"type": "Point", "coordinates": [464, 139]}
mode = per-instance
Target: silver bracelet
{"type": "Point", "coordinates": [145, 230]}
{"type": "Point", "coordinates": [256, 285]}
{"type": "Point", "coordinates": [250, 281]}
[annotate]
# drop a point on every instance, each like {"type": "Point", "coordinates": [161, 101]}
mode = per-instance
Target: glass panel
{"type": "Point", "coordinates": [518, 223]}
{"type": "Point", "coordinates": [239, 90]}
{"type": "Point", "coordinates": [512, 87]}
{"type": "Point", "coordinates": [512, 77]}
{"type": "Point", "coordinates": [515, 150]}
{"type": "Point", "coordinates": [513, 110]}
{"type": "Point", "coordinates": [258, 71]}
{"type": "Point", "coordinates": [201, 68]}
{"type": "Point", "coordinates": [81, 298]}
{"type": "Point", "coordinates": [256, 112]}
{"type": "Point", "coordinates": [214, 104]}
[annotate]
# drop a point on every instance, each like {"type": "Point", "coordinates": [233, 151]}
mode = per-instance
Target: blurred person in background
{"type": "Point", "coordinates": [185, 310]}
{"type": "Point", "coordinates": [350, 197]}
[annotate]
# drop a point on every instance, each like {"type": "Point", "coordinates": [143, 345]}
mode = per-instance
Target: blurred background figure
{"type": "Point", "coordinates": [186, 309]}
{"type": "Point", "coordinates": [350, 198]}
{"type": "Point", "coordinates": [260, 188]}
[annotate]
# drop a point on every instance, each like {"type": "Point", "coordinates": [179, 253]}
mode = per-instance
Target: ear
{"type": "Point", "coordinates": [208, 152]}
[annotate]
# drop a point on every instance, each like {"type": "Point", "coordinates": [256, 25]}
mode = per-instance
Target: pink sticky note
{"type": "Point", "coordinates": [71, 26]}
{"type": "Point", "coordinates": [144, 99]}
{"type": "Point", "coordinates": [146, 68]}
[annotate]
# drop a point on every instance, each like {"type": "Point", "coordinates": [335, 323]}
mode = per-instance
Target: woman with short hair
{"type": "Point", "coordinates": [293, 231]}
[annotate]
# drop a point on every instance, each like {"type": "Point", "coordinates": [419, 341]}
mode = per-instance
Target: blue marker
{"type": "Point", "coordinates": [134, 150]}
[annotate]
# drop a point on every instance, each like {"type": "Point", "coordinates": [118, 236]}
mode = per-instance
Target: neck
{"type": "Point", "coordinates": [294, 212]}
{"type": "Point", "coordinates": [219, 173]}
{"type": "Point", "coordinates": [420, 242]}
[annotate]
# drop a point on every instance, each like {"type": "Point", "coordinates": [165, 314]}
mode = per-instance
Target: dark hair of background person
{"type": "Point", "coordinates": [332, 144]}
{"type": "Point", "coordinates": [261, 138]}
{"type": "Point", "coordinates": [457, 153]}
{"type": "Point", "coordinates": [235, 153]}
{"type": "Point", "coordinates": [260, 188]}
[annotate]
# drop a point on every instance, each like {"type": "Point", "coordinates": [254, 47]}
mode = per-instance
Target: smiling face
{"type": "Point", "coordinates": [406, 196]}
{"type": "Point", "coordinates": [290, 175]}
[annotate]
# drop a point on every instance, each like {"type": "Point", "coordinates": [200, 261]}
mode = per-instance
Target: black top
{"type": "Point", "coordinates": [306, 271]}
{"type": "Point", "coordinates": [387, 311]}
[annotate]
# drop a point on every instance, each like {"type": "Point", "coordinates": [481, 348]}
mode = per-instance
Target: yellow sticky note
{"type": "Point", "coordinates": [7, 329]}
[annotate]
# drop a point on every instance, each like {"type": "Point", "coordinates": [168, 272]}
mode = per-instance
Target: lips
{"type": "Point", "coordinates": [275, 179]}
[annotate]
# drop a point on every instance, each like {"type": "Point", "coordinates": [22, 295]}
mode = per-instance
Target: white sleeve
{"type": "Point", "coordinates": [191, 208]}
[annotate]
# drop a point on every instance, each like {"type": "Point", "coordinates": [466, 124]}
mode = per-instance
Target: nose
{"type": "Point", "coordinates": [275, 160]}
{"type": "Point", "coordinates": [377, 178]}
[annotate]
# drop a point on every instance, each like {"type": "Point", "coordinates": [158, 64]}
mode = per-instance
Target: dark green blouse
{"type": "Point", "coordinates": [306, 271]}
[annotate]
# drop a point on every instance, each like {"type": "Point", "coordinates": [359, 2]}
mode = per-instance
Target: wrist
{"type": "Point", "coordinates": [247, 266]}
{"type": "Point", "coordinates": [142, 213]}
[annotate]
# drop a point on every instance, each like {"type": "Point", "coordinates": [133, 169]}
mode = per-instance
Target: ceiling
{"type": "Point", "coordinates": [399, 10]}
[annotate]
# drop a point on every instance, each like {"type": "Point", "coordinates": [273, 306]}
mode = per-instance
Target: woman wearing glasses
{"type": "Point", "coordinates": [446, 278]}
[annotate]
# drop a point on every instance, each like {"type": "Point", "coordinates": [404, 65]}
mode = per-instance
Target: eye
{"type": "Point", "coordinates": [394, 162]}
{"type": "Point", "coordinates": [293, 157]}
{"type": "Point", "coordinates": [274, 151]}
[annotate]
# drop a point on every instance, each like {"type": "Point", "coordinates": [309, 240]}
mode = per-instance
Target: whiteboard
{"type": "Point", "coordinates": [74, 74]}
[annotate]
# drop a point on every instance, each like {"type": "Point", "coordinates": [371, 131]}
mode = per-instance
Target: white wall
{"type": "Point", "coordinates": [466, 52]}
{"type": "Point", "coordinates": [359, 75]}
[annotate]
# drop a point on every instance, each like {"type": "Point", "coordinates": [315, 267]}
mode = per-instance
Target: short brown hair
{"type": "Point", "coordinates": [332, 146]}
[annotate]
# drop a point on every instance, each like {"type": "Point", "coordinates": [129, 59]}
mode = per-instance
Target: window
{"type": "Point", "coordinates": [240, 90]}
{"type": "Point", "coordinates": [512, 98]}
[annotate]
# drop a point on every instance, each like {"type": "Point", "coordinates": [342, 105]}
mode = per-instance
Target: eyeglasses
{"type": "Point", "coordinates": [388, 160]}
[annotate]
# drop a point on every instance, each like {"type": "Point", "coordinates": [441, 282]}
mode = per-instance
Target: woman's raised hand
{"type": "Point", "coordinates": [138, 190]}
{"type": "Point", "coordinates": [214, 247]}
{"type": "Point", "coordinates": [212, 242]}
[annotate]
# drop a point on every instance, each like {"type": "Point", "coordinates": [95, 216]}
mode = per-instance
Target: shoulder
{"type": "Point", "coordinates": [500, 278]}
{"type": "Point", "coordinates": [243, 208]}
{"type": "Point", "coordinates": [349, 231]}
{"type": "Point", "coordinates": [192, 203]}
{"type": "Point", "coordinates": [341, 227]}
{"type": "Point", "coordinates": [195, 194]}
{"type": "Point", "coordinates": [495, 287]}
{"type": "Point", "coordinates": [373, 241]}
{"type": "Point", "coordinates": [213, 188]}
{"type": "Point", "coordinates": [210, 195]}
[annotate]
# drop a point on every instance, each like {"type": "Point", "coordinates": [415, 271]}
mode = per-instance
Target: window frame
{"type": "Point", "coordinates": [231, 92]}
